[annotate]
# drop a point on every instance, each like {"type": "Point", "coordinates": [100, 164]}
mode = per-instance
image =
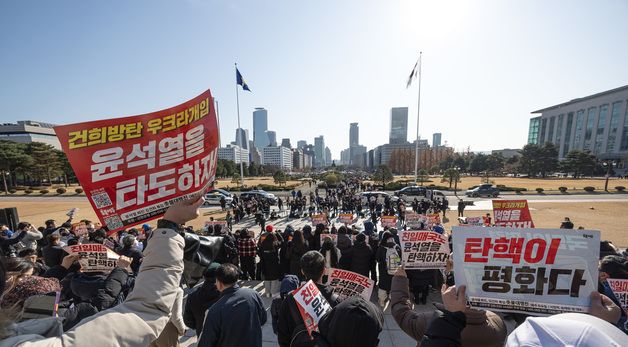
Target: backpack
{"type": "Point", "coordinates": [393, 261]}
{"type": "Point", "coordinates": [300, 336]}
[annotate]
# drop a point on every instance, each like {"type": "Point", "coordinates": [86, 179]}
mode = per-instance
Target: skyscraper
{"type": "Point", "coordinates": [301, 144]}
{"type": "Point", "coordinates": [436, 138]}
{"type": "Point", "coordinates": [319, 151]}
{"type": "Point", "coordinates": [398, 125]}
{"type": "Point", "coordinates": [286, 143]}
{"type": "Point", "coordinates": [242, 135]}
{"type": "Point", "coordinates": [260, 126]}
{"type": "Point", "coordinates": [354, 135]}
{"type": "Point", "coordinates": [272, 138]}
{"type": "Point", "coordinates": [327, 156]}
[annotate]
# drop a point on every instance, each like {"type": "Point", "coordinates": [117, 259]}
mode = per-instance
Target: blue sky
{"type": "Point", "coordinates": [317, 65]}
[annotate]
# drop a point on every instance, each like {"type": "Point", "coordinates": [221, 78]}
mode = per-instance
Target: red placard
{"type": "Point", "coordinates": [512, 213]}
{"type": "Point", "coordinates": [133, 168]}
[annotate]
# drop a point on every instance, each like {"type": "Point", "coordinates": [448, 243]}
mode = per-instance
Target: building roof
{"type": "Point", "coordinates": [582, 99]}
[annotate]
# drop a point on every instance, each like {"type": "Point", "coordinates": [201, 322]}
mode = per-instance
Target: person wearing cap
{"type": "Point", "coordinates": [202, 298]}
{"type": "Point", "coordinates": [289, 283]}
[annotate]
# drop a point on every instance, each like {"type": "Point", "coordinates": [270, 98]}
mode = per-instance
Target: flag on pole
{"type": "Point", "coordinates": [414, 73]}
{"type": "Point", "coordinates": [240, 80]}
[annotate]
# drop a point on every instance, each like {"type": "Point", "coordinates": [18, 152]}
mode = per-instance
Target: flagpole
{"type": "Point", "coordinates": [218, 122]}
{"type": "Point", "coordinates": [418, 109]}
{"type": "Point", "coordinates": [239, 129]}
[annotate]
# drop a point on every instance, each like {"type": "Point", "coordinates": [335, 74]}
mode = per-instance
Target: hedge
{"type": "Point", "coordinates": [562, 189]}
{"type": "Point", "coordinates": [43, 191]}
{"type": "Point", "coordinates": [61, 190]}
{"type": "Point", "coordinates": [27, 191]}
{"type": "Point", "coordinates": [589, 189]}
{"type": "Point", "coordinates": [503, 188]}
{"type": "Point", "coordinates": [618, 188]}
{"type": "Point", "coordinates": [539, 190]}
{"type": "Point", "coordinates": [12, 191]}
{"type": "Point", "coordinates": [78, 190]}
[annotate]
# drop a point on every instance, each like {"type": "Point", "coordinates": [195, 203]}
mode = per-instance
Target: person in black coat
{"type": "Point", "coordinates": [53, 253]}
{"type": "Point", "coordinates": [297, 247]}
{"type": "Point", "coordinates": [132, 252]}
{"type": "Point", "coordinates": [420, 281]}
{"type": "Point", "coordinates": [345, 247]}
{"type": "Point", "coordinates": [363, 258]}
{"type": "Point", "coordinates": [99, 289]}
{"type": "Point", "coordinates": [202, 298]}
{"type": "Point", "coordinates": [269, 261]}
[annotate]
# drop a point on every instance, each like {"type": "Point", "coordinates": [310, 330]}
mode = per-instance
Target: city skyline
{"type": "Point", "coordinates": [483, 63]}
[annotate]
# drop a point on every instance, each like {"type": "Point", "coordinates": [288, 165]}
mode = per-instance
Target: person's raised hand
{"type": "Point", "coordinates": [401, 271]}
{"type": "Point", "coordinates": [454, 298]}
{"type": "Point", "coordinates": [68, 260]}
{"type": "Point", "coordinates": [604, 308]}
{"type": "Point", "coordinates": [124, 262]}
{"type": "Point", "coordinates": [184, 211]}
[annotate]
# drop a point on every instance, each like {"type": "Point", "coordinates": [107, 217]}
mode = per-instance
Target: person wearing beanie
{"type": "Point", "coordinates": [353, 322]}
{"type": "Point", "coordinates": [202, 298]}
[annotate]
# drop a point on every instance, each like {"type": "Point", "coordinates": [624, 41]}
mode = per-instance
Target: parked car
{"type": "Point", "coordinates": [483, 190]}
{"type": "Point", "coordinates": [411, 192]}
{"type": "Point", "coordinates": [259, 194]}
{"type": "Point", "coordinates": [213, 197]}
{"type": "Point", "coordinates": [222, 191]}
{"type": "Point", "coordinates": [438, 195]}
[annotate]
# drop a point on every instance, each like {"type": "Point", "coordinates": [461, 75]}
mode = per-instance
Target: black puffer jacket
{"type": "Point", "coordinates": [346, 251]}
{"type": "Point", "coordinates": [362, 259]}
{"type": "Point", "coordinates": [197, 304]}
{"type": "Point", "coordinates": [100, 290]}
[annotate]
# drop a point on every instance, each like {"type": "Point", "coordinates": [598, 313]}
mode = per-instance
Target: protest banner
{"type": "Point", "coordinates": [470, 221]}
{"type": "Point", "coordinates": [512, 213]}
{"type": "Point", "coordinates": [432, 220]}
{"type": "Point", "coordinates": [525, 270]}
{"type": "Point", "coordinates": [423, 250]}
{"type": "Point", "coordinates": [389, 221]}
{"type": "Point", "coordinates": [109, 244]}
{"type": "Point", "coordinates": [94, 256]}
{"type": "Point", "coordinates": [319, 219]}
{"type": "Point", "coordinates": [415, 221]}
{"type": "Point", "coordinates": [620, 290]}
{"type": "Point", "coordinates": [133, 168]}
{"type": "Point", "coordinates": [347, 284]}
{"type": "Point", "coordinates": [345, 218]}
{"type": "Point", "coordinates": [311, 304]}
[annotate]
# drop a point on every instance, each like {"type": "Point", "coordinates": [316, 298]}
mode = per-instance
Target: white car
{"type": "Point", "coordinates": [213, 198]}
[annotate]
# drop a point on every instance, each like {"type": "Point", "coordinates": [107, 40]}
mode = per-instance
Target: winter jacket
{"type": "Point", "coordinates": [483, 328]}
{"type": "Point", "coordinates": [294, 255]}
{"type": "Point", "coordinates": [353, 322]}
{"type": "Point", "coordinates": [29, 241]}
{"type": "Point", "coordinates": [137, 321]}
{"type": "Point", "coordinates": [134, 254]}
{"type": "Point", "coordinates": [236, 304]}
{"type": "Point", "coordinates": [444, 330]}
{"type": "Point", "coordinates": [53, 255]}
{"type": "Point", "coordinates": [362, 259]}
{"type": "Point", "coordinates": [346, 251]}
{"type": "Point", "coordinates": [6, 243]}
{"type": "Point", "coordinates": [270, 265]}
{"type": "Point", "coordinates": [197, 304]}
{"type": "Point", "coordinates": [99, 290]}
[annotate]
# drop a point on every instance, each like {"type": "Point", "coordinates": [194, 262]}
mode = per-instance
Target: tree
{"type": "Point", "coordinates": [422, 175]}
{"type": "Point", "coordinates": [495, 163]}
{"type": "Point", "coordinates": [14, 160]}
{"type": "Point", "coordinates": [579, 163]}
{"type": "Point", "coordinates": [548, 159]}
{"type": "Point", "coordinates": [280, 177]}
{"type": "Point", "coordinates": [331, 179]}
{"type": "Point", "coordinates": [236, 179]}
{"type": "Point", "coordinates": [45, 161]}
{"type": "Point", "coordinates": [451, 176]}
{"type": "Point", "coordinates": [478, 164]}
{"type": "Point", "coordinates": [529, 162]}
{"type": "Point", "coordinates": [65, 167]}
{"type": "Point", "coordinates": [383, 174]}
{"type": "Point", "coordinates": [254, 169]}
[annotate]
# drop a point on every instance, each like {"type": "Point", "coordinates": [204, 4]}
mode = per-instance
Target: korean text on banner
{"type": "Point", "coordinates": [319, 219]}
{"type": "Point", "coordinates": [415, 221]}
{"type": "Point", "coordinates": [345, 218]}
{"type": "Point", "coordinates": [525, 270]}
{"type": "Point", "coordinates": [620, 290]}
{"type": "Point", "coordinates": [389, 221]}
{"type": "Point", "coordinates": [312, 305]}
{"type": "Point", "coordinates": [347, 284]}
{"type": "Point", "coordinates": [423, 250]}
{"type": "Point", "coordinates": [94, 257]}
{"type": "Point", "coordinates": [512, 213]}
{"type": "Point", "coordinates": [133, 168]}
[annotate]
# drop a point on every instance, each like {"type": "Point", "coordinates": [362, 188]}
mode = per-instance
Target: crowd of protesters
{"type": "Point", "coordinates": [140, 302]}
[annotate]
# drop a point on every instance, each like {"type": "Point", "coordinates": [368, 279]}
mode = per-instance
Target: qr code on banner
{"type": "Point", "coordinates": [113, 222]}
{"type": "Point", "coordinates": [101, 200]}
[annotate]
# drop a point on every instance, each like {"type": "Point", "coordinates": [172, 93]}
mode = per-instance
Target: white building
{"type": "Point", "coordinates": [277, 156]}
{"type": "Point", "coordinates": [28, 131]}
{"type": "Point", "coordinates": [233, 153]}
